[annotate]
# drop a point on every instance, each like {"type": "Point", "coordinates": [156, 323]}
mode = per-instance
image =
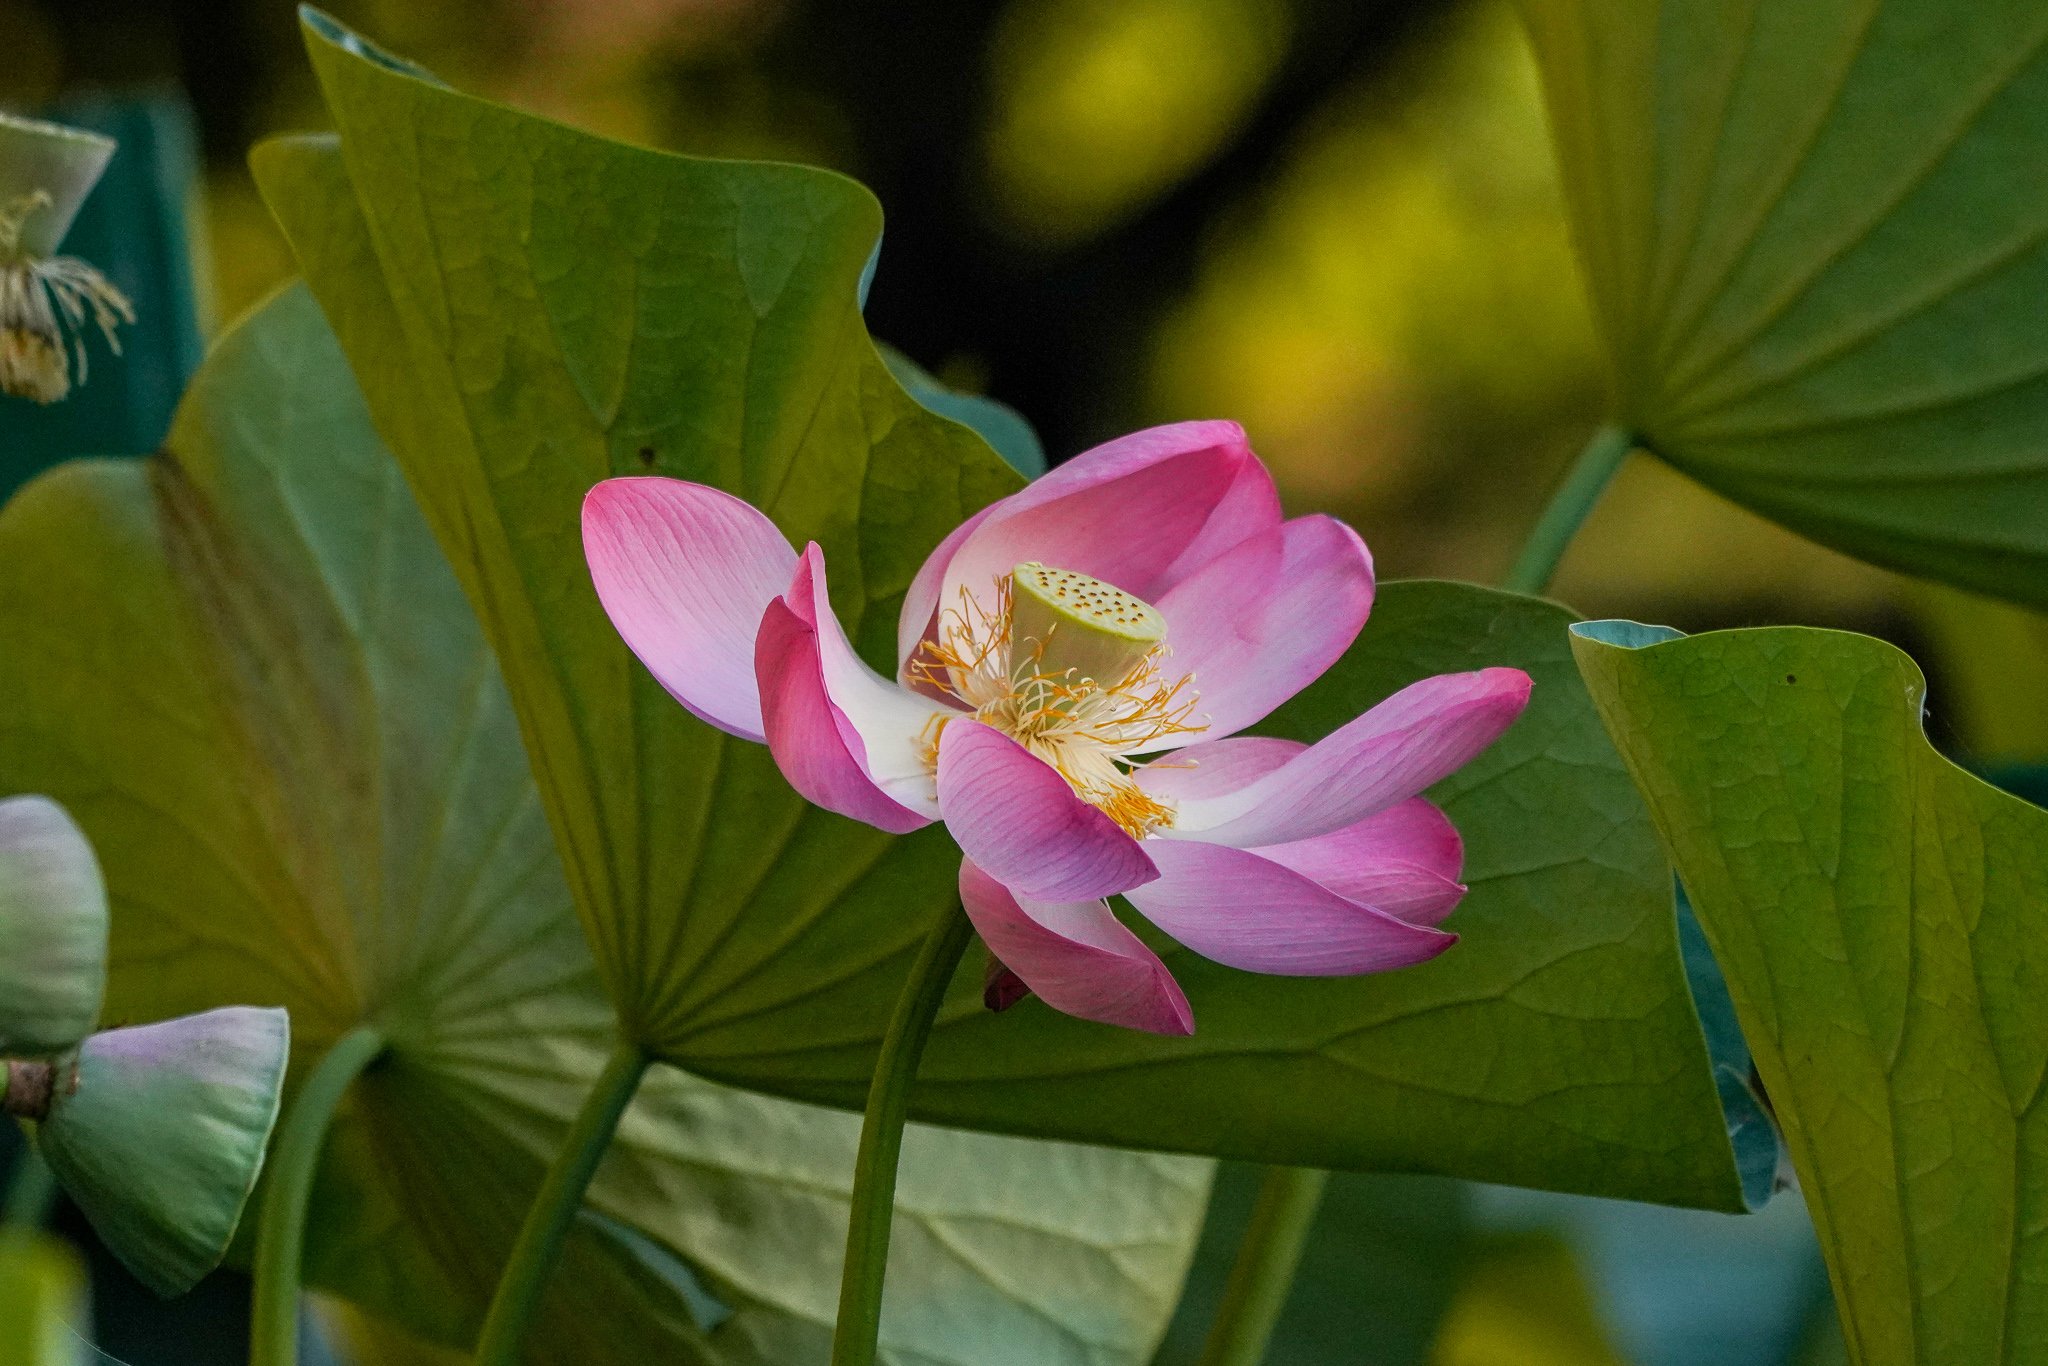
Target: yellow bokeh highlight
{"type": "Point", "coordinates": [1401, 325]}
{"type": "Point", "coordinates": [42, 1301]}
{"type": "Point", "coordinates": [1996, 699]}
{"type": "Point", "coordinates": [1523, 1301]}
{"type": "Point", "coordinates": [1101, 104]}
{"type": "Point", "coordinates": [1411, 273]}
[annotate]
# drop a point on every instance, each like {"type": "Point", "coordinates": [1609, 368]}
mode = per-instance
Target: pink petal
{"type": "Point", "coordinates": [1012, 813]}
{"type": "Point", "coordinates": [814, 744]}
{"type": "Point", "coordinates": [1260, 623]}
{"type": "Point", "coordinates": [919, 617]}
{"type": "Point", "coordinates": [1124, 512]}
{"type": "Point", "coordinates": [1250, 508]}
{"type": "Point", "coordinates": [1404, 861]}
{"type": "Point", "coordinates": [1215, 768]}
{"type": "Point", "coordinates": [1077, 957]}
{"type": "Point", "coordinates": [1248, 912]}
{"type": "Point", "coordinates": [894, 725]}
{"type": "Point", "coordinates": [685, 572]}
{"type": "Point", "coordinates": [1421, 734]}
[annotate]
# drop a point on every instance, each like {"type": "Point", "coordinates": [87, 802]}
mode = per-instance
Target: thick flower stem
{"type": "Point", "coordinates": [1568, 509]}
{"type": "Point", "coordinates": [881, 1139]}
{"type": "Point", "coordinates": [26, 1088]}
{"type": "Point", "coordinates": [554, 1208]}
{"type": "Point", "coordinates": [281, 1226]}
{"type": "Point", "coordinates": [1264, 1271]}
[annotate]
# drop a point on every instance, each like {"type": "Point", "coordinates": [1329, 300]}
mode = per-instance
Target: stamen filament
{"type": "Point", "coordinates": [1084, 728]}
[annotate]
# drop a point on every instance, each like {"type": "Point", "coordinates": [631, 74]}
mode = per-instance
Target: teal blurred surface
{"type": "Point", "coordinates": [137, 227]}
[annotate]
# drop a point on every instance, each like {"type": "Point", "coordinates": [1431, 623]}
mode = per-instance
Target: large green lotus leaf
{"type": "Point", "coordinates": [1556, 1046]}
{"type": "Point", "coordinates": [247, 669]}
{"type": "Point", "coordinates": [554, 309]}
{"type": "Point", "coordinates": [1002, 426]}
{"type": "Point", "coordinates": [1817, 251]}
{"type": "Point", "coordinates": [531, 310]}
{"type": "Point", "coordinates": [1882, 917]}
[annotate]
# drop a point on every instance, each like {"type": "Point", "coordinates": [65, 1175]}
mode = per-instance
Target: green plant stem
{"type": "Point", "coordinates": [281, 1227]}
{"type": "Point", "coordinates": [1263, 1274]}
{"type": "Point", "coordinates": [31, 1191]}
{"type": "Point", "coordinates": [881, 1139]}
{"type": "Point", "coordinates": [554, 1208]}
{"type": "Point", "coordinates": [1567, 510]}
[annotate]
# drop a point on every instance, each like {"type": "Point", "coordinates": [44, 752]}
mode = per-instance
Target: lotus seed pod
{"type": "Point", "coordinates": [42, 1297]}
{"type": "Point", "coordinates": [47, 301]}
{"type": "Point", "coordinates": [1071, 626]}
{"type": "Point", "coordinates": [159, 1133]}
{"type": "Point", "coordinates": [53, 930]}
{"type": "Point", "coordinates": [50, 162]}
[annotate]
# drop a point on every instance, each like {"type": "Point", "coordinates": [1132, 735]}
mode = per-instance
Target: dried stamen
{"type": "Point", "coordinates": [45, 307]}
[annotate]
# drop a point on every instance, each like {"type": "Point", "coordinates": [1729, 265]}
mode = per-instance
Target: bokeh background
{"type": "Point", "coordinates": [1336, 222]}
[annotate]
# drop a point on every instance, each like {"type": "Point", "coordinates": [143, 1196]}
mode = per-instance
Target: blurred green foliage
{"type": "Point", "coordinates": [1382, 1267]}
{"type": "Point", "coordinates": [42, 1293]}
{"type": "Point", "coordinates": [1337, 222]}
{"type": "Point", "coordinates": [1524, 1302]}
{"type": "Point", "coordinates": [1339, 225]}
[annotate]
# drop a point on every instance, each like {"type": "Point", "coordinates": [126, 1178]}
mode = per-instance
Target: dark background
{"type": "Point", "coordinates": [1336, 222]}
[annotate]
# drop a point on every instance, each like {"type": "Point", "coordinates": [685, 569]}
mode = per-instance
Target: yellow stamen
{"type": "Point", "coordinates": [1084, 728]}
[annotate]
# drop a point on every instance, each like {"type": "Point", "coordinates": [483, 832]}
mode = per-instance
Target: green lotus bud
{"type": "Point", "coordinates": [52, 167]}
{"type": "Point", "coordinates": [42, 1299]}
{"type": "Point", "coordinates": [158, 1133]}
{"type": "Point", "coordinates": [53, 930]}
{"type": "Point", "coordinates": [1068, 625]}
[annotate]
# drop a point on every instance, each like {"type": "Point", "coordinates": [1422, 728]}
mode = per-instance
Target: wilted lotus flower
{"type": "Point", "coordinates": [1073, 660]}
{"type": "Point", "coordinates": [46, 300]}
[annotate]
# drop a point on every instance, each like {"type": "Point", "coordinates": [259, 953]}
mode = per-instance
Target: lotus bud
{"type": "Point", "coordinates": [53, 930]}
{"type": "Point", "coordinates": [157, 1133]}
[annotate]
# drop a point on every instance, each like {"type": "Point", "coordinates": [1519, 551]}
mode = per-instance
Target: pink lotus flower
{"type": "Point", "coordinates": [1072, 661]}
